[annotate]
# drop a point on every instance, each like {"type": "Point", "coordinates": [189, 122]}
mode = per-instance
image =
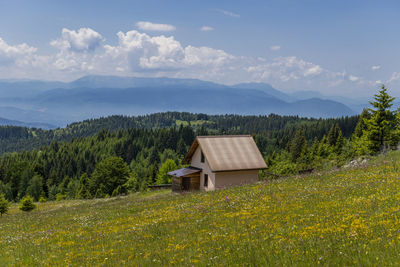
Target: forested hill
{"type": "Point", "coordinates": [14, 139]}
{"type": "Point", "coordinates": [146, 148]}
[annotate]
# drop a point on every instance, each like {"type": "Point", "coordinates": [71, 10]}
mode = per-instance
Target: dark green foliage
{"type": "Point", "coordinates": [110, 175]}
{"type": "Point", "coordinates": [378, 128]}
{"type": "Point", "coordinates": [4, 205]}
{"type": "Point", "coordinates": [26, 203]}
{"type": "Point", "coordinates": [362, 123]}
{"type": "Point", "coordinates": [35, 187]}
{"type": "Point", "coordinates": [83, 189]}
{"type": "Point", "coordinates": [382, 123]}
{"type": "Point", "coordinates": [145, 142]}
{"type": "Point", "coordinates": [296, 146]}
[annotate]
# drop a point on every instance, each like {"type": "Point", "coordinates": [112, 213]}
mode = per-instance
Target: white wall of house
{"type": "Point", "coordinates": [224, 179]}
{"type": "Point", "coordinates": [196, 162]}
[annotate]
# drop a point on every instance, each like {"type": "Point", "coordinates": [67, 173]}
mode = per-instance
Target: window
{"type": "Point", "coordinates": [205, 180]}
{"type": "Point", "coordinates": [202, 157]}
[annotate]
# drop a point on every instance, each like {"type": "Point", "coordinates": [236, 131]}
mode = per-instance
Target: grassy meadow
{"type": "Point", "coordinates": [342, 217]}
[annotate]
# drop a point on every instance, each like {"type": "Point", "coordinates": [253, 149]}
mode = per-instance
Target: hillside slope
{"type": "Point", "coordinates": [346, 217]}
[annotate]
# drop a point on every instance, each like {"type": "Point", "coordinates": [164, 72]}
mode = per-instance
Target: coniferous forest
{"type": "Point", "coordinates": [118, 154]}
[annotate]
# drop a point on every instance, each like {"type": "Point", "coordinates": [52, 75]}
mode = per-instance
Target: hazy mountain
{"type": "Point", "coordinates": [268, 89]}
{"type": "Point", "coordinates": [7, 122]}
{"type": "Point", "coordinates": [24, 88]}
{"type": "Point", "coordinates": [96, 81]}
{"type": "Point", "coordinates": [95, 96]}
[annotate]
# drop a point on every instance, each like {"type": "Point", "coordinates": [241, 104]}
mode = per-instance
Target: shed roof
{"type": "Point", "coordinates": [228, 152]}
{"type": "Point", "coordinates": [184, 171]}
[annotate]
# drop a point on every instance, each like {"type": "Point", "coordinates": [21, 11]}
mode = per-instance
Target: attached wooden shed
{"type": "Point", "coordinates": [217, 162]}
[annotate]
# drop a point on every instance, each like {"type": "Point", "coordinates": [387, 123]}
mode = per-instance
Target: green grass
{"type": "Point", "coordinates": [345, 217]}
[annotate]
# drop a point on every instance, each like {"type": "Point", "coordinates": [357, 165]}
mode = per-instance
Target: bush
{"type": "Point", "coordinates": [60, 197]}
{"type": "Point", "coordinates": [3, 205]}
{"type": "Point", "coordinates": [26, 204]}
{"type": "Point", "coordinates": [42, 199]}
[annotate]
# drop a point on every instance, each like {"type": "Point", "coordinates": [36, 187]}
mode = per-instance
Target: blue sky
{"type": "Point", "coordinates": [334, 47]}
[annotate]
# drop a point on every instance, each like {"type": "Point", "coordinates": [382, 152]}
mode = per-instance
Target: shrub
{"type": "Point", "coordinates": [42, 199]}
{"type": "Point", "coordinates": [60, 197]}
{"type": "Point", "coordinates": [26, 204]}
{"type": "Point", "coordinates": [3, 205]}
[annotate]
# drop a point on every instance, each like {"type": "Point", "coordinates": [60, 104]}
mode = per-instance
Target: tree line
{"type": "Point", "coordinates": [80, 164]}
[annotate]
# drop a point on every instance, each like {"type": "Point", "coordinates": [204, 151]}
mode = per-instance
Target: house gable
{"type": "Point", "coordinates": [228, 153]}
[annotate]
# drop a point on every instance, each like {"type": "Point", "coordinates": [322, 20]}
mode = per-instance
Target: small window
{"type": "Point", "coordinates": [205, 180]}
{"type": "Point", "coordinates": [202, 157]}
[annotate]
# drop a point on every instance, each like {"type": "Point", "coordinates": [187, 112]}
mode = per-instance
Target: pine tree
{"type": "Point", "coordinates": [297, 144]}
{"type": "Point", "coordinates": [26, 203]}
{"type": "Point", "coordinates": [381, 127]}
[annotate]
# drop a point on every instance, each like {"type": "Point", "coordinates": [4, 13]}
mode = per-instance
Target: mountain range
{"type": "Point", "coordinates": [60, 103]}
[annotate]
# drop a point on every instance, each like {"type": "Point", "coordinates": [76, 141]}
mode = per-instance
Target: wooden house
{"type": "Point", "coordinates": [218, 162]}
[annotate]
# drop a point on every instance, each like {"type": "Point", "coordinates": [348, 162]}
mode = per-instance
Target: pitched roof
{"type": "Point", "coordinates": [228, 152]}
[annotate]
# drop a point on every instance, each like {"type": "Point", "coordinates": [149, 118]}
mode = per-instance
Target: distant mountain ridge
{"type": "Point", "coordinates": [45, 126]}
{"type": "Point", "coordinates": [95, 96]}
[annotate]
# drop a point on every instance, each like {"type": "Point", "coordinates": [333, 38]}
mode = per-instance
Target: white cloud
{"type": "Point", "coordinates": [140, 52]}
{"type": "Point", "coordinates": [284, 69]}
{"type": "Point", "coordinates": [375, 67]}
{"type": "Point", "coordinates": [85, 39]}
{"type": "Point", "coordinates": [206, 29]}
{"type": "Point", "coordinates": [275, 47]}
{"type": "Point", "coordinates": [353, 78]}
{"type": "Point", "coordinates": [228, 13]}
{"type": "Point", "coordinates": [20, 54]}
{"type": "Point", "coordinates": [82, 52]}
{"type": "Point", "coordinates": [149, 26]}
{"type": "Point", "coordinates": [394, 77]}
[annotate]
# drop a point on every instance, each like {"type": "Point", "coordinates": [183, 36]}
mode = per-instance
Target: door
{"type": "Point", "coordinates": [185, 183]}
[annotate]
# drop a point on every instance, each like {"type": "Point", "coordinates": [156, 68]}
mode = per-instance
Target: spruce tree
{"type": "Point", "coordinates": [381, 126]}
{"type": "Point", "coordinates": [297, 144]}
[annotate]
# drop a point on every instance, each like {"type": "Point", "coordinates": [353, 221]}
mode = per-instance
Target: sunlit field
{"type": "Point", "coordinates": [344, 217]}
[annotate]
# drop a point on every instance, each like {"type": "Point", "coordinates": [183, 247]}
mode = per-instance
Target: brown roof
{"type": "Point", "coordinates": [228, 152]}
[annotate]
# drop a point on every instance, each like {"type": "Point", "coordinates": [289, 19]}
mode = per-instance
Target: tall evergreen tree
{"type": "Point", "coordinates": [381, 126]}
{"type": "Point", "coordinates": [297, 144]}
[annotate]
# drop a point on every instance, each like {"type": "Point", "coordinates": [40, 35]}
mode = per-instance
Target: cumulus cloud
{"type": "Point", "coordinates": [284, 69]}
{"type": "Point", "coordinates": [375, 67]}
{"type": "Point", "coordinates": [136, 53]}
{"type": "Point", "coordinates": [275, 47]}
{"type": "Point", "coordinates": [206, 29]}
{"type": "Point", "coordinates": [228, 13]}
{"type": "Point", "coordinates": [20, 54]}
{"type": "Point", "coordinates": [83, 40]}
{"type": "Point", "coordinates": [149, 26]}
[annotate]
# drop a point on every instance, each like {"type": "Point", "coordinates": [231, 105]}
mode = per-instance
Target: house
{"type": "Point", "coordinates": [217, 162]}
